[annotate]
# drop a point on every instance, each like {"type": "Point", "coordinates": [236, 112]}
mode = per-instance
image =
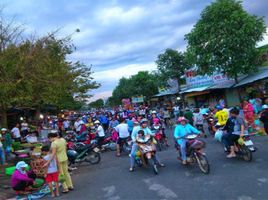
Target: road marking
{"type": "Point", "coordinates": [245, 198]}
{"type": "Point", "coordinates": [263, 180]}
{"type": "Point", "coordinates": [110, 193]}
{"type": "Point", "coordinates": [160, 190]}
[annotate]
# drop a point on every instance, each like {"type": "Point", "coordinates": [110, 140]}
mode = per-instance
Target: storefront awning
{"type": "Point", "coordinates": [261, 74]}
{"type": "Point", "coordinates": [165, 94]}
{"type": "Point", "coordinates": [200, 89]}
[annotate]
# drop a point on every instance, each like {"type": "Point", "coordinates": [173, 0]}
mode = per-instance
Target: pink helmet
{"type": "Point", "coordinates": [182, 119]}
{"type": "Point", "coordinates": [156, 120]}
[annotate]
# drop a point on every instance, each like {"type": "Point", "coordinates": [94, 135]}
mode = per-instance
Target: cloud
{"type": "Point", "coordinates": [118, 37]}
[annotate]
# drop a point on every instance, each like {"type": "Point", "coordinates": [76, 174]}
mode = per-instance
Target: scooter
{"type": "Point", "coordinates": [194, 152]}
{"type": "Point", "coordinates": [146, 153]}
{"type": "Point", "coordinates": [84, 153]}
{"type": "Point", "coordinates": [158, 136]}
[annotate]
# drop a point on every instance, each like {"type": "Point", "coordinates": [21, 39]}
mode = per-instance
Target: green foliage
{"type": "Point", "coordinates": [36, 73]}
{"type": "Point", "coordinates": [143, 83]}
{"type": "Point", "coordinates": [224, 39]}
{"type": "Point", "coordinates": [263, 55]}
{"type": "Point", "coordinates": [171, 64]}
{"type": "Point", "coordinates": [97, 104]}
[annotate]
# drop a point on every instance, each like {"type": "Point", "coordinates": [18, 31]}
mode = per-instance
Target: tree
{"type": "Point", "coordinates": [97, 104]}
{"type": "Point", "coordinates": [171, 65]}
{"type": "Point", "coordinates": [224, 39]}
{"type": "Point", "coordinates": [143, 83]}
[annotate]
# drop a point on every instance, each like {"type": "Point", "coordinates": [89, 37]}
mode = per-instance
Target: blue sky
{"type": "Point", "coordinates": [117, 37]}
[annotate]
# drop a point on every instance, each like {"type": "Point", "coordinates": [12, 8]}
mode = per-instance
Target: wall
{"type": "Point", "coordinates": [232, 97]}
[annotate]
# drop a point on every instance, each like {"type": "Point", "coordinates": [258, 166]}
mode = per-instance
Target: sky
{"type": "Point", "coordinates": [117, 37]}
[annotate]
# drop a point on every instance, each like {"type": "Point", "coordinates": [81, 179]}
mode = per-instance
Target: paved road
{"type": "Point", "coordinates": [229, 179]}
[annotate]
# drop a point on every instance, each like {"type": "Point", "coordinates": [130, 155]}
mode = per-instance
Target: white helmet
{"type": "Point", "coordinates": [97, 122]}
{"type": "Point", "coordinates": [154, 112]}
{"type": "Point", "coordinates": [3, 129]}
{"type": "Point", "coordinates": [265, 106]}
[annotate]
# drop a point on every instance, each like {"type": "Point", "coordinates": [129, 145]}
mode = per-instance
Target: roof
{"type": "Point", "coordinates": [199, 89]}
{"type": "Point", "coordinates": [165, 93]}
{"type": "Point", "coordinates": [262, 73]}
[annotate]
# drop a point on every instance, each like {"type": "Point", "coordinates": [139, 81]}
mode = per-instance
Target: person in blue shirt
{"type": "Point", "coordinates": [181, 130]}
{"type": "Point", "coordinates": [143, 126]}
{"type": "Point", "coordinates": [104, 121]}
{"type": "Point", "coordinates": [130, 123]}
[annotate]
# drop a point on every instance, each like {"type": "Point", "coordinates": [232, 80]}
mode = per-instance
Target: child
{"type": "Point", "coordinates": [52, 172]}
{"type": "Point", "coordinates": [2, 152]}
{"type": "Point", "coordinates": [7, 142]}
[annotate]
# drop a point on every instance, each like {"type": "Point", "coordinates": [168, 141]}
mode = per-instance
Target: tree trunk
{"type": "Point", "coordinates": [239, 93]}
{"type": "Point", "coordinates": [37, 115]}
{"type": "Point", "coordinates": [3, 118]}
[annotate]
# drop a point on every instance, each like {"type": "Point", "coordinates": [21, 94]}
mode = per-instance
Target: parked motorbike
{"type": "Point", "coordinates": [84, 153]}
{"type": "Point", "coordinates": [107, 143]}
{"type": "Point", "coordinates": [194, 152]}
{"type": "Point", "coordinates": [146, 154]}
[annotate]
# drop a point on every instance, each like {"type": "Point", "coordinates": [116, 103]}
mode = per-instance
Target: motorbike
{"type": "Point", "coordinates": [83, 153]}
{"type": "Point", "coordinates": [242, 150]}
{"type": "Point", "coordinates": [194, 152]}
{"type": "Point", "coordinates": [146, 154]}
{"type": "Point", "coordinates": [158, 136]}
{"type": "Point", "coordinates": [125, 146]}
{"type": "Point", "coordinates": [107, 143]}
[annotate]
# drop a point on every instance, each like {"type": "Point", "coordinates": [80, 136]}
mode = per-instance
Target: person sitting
{"type": "Point", "coordinates": [235, 127]}
{"type": "Point", "coordinates": [182, 130]}
{"type": "Point", "coordinates": [22, 180]}
{"type": "Point", "coordinates": [31, 137]}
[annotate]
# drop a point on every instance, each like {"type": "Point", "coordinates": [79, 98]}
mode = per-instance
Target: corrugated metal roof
{"type": "Point", "coordinates": [200, 89]}
{"type": "Point", "coordinates": [262, 73]}
{"type": "Point", "coordinates": [165, 93]}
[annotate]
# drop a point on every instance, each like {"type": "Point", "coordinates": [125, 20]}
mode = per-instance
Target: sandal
{"type": "Point", "coordinates": [65, 191]}
{"type": "Point", "coordinates": [71, 188]}
{"type": "Point", "coordinates": [131, 169]}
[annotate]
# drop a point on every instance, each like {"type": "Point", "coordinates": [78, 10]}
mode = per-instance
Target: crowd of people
{"type": "Point", "coordinates": [136, 124]}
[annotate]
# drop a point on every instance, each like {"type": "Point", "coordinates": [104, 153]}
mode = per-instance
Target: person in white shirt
{"type": "Point", "coordinates": [77, 125]}
{"type": "Point", "coordinates": [99, 132]}
{"type": "Point", "coordinates": [31, 138]}
{"type": "Point", "coordinates": [123, 133]}
{"type": "Point", "coordinates": [24, 128]}
{"type": "Point", "coordinates": [16, 133]}
{"type": "Point", "coordinates": [66, 124]}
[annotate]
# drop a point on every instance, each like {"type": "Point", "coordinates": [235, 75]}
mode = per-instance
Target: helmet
{"type": "Point", "coordinates": [154, 112]}
{"type": "Point", "coordinates": [72, 154]}
{"type": "Point", "coordinates": [97, 122]}
{"type": "Point", "coordinates": [182, 119]}
{"type": "Point", "coordinates": [265, 106]}
{"type": "Point", "coordinates": [144, 120]}
{"type": "Point", "coordinates": [218, 107]}
{"type": "Point", "coordinates": [3, 129]}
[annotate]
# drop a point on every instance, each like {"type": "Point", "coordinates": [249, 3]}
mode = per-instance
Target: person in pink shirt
{"type": "Point", "coordinates": [248, 110]}
{"type": "Point", "coordinates": [22, 179]}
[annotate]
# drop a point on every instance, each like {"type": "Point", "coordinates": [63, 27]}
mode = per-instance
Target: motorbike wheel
{"type": "Point", "coordinates": [203, 163]}
{"type": "Point", "coordinates": [159, 146]}
{"type": "Point", "coordinates": [112, 146]}
{"type": "Point", "coordinates": [246, 153]}
{"type": "Point", "coordinates": [93, 157]}
{"type": "Point", "coordinates": [155, 169]}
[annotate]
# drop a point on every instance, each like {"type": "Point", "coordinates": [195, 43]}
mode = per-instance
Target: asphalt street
{"type": "Point", "coordinates": [231, 179]}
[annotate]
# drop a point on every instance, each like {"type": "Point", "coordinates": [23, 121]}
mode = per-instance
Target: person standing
{"type": "Point", "coordinates": [7, 142]}
{"type": "Point", "coordinates": [99, 132]}
{"type": "Point", "coordinates": [248, 110]}
{"type": "Point", "coordinates": [24, 128]}
{"type": "Point", "coordinates": [264, 117]}
{"type": "Point", "coordinates": [77, 125]}
{"type": "Point", "coordinates": [16, 133]}
{"type": "Point", "coordinates": [52, 172]}
{"type": "Point", "coordinates": [58, 148]}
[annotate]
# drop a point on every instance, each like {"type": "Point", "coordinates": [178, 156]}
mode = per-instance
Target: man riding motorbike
{"type": "Point", "coordinates": [143, 126]}
{"type": "Point", "coordinates": [183, 129]}
{"type": "Point", "coordinates": [235, 127]}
